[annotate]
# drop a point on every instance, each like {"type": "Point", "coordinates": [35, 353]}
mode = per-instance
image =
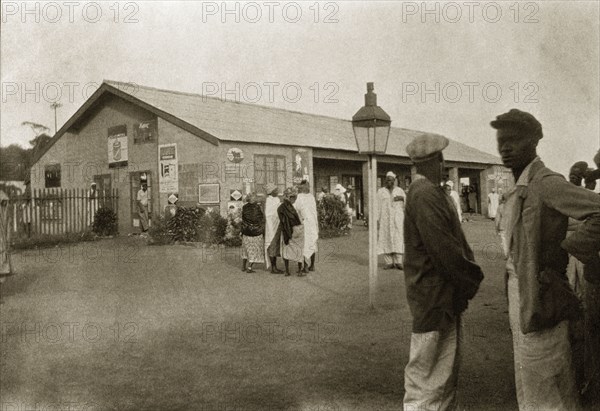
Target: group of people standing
{"type": "Point", "coordinates": [442, 276]}
{"type": "Point", "coordinates": [286, 228]}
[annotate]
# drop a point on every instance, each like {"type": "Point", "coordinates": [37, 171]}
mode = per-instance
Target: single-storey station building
{"type": "Point", "coordinates": [207, 151]}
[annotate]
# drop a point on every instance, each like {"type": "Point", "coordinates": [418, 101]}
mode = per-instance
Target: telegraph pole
{"type": "Point", "coordinates": [55, 105]}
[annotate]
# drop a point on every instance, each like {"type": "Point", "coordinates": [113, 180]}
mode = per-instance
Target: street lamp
{"type": "Point", "coordinates": [371, 127]}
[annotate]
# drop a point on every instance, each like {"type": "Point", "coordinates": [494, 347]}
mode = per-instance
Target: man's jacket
{"type": "Point", "coordinates": [540, 248]}
{"type": "Point", "coordinates": [440, 272]}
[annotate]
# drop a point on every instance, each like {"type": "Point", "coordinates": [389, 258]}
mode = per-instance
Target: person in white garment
{"type": "Point", "coordinates": [272, 229]}
{"type": "Point", "coordinates": [493, 201]}
{"type": "Point", "coordinates": [449, 187]}
{"type": "Point", "coordinates": [306, 206]}
{"type": "Point", "coordinates": [390, 220]}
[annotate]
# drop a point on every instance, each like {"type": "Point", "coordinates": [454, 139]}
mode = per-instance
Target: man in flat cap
{"type": "Point", "coordinates": [540, 300]}
{"type": "Point", "coordinates": [441, 277]}
{"type": "Point", "coordinates": [390, 220]}
{"type": "Point", "coordinates": [577, 172]}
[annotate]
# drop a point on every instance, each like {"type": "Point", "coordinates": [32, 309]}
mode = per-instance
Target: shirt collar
{"type": "Point", "coordinates": [524, 177]}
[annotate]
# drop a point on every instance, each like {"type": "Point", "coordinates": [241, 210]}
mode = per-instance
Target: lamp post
{"type": "Point", "coordinates": [371, 127]}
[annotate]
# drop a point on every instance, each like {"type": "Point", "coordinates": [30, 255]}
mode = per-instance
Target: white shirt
{"type": "Point", "coordinates": [142, 197]}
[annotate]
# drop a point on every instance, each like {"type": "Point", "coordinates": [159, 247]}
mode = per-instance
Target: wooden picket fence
{"type": "Point", "coordinates": [58, 211]}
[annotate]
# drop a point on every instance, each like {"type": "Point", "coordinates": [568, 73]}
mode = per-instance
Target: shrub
{"type": "Point", "coordinates": [184, 225]}
{"type": "Point", "coordinates": [333, 217]}
{"type": "Point", "coordinates": [212, 228]}
{"type": "Point", "coordinates": [159, 232]}
{"type": "Point", "coordinates": [233, 232]}
{"type": "Point", "coordinates": [105, 222]}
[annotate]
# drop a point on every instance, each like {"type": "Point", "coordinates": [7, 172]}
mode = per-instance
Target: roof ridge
{"type": "Point", "coordinates": [115, 83]}
{"type": "Point", "coordinates": [224, 101]}
{"type": "Point", "coordinates": [248, 104]}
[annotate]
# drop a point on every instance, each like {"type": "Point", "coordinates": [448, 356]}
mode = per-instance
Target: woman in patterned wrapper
{"type": "Point", "coordinates": [292, 231]}
{"type": "Point", "coordinates": [253, 230]}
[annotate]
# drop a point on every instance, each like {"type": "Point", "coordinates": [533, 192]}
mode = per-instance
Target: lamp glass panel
{"type": "Point", "coordinates": [382, 135]}
{"type": "Point", "coordinates": [362, 138]}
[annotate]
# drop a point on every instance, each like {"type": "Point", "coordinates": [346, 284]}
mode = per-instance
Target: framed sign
{"type": "Point", "coordinates": [235, 155]}
{"type": "Point", "coordinates": [168, 180]}
{"type": "Point", "coordinates": [300, 165]}
{"type": "Point", "coordinates": [209, 193]}
{"type": "Point", "coordinates": [333, 181]}
{"type": "Point", "coordinates": [144, 132]}
{"type": "Point", "coordinates": [117, 146]}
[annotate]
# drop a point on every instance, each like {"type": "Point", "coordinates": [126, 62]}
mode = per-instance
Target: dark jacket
{"type": "Point", "coordinates": [253, 220]}
{"type": "Point", "coordinates": [539, 250]}
{"type": "Point", "coordinates": [288, 218]}
{"type": "Point", "coordinates": [439, 268]}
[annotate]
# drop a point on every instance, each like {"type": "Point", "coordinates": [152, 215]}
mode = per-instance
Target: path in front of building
{"type": "Point", "coordinates": [117, 324]}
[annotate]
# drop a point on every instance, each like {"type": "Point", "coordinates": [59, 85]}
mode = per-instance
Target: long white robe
{"type": "Point", "coordinates": [456, 200]}
{"type": "Point", "coordinates": [390, 215]}
{"type": "Point", "coordinates": [271, 223]}
{"type": "Point", "coordinates": [306, 206]}
{"type": "Point", "coordinates": [493, 201]}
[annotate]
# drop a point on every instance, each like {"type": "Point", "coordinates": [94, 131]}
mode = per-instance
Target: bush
{"type": "Point", "coordinates": [233, 231]}
{"type": "Point", "coordinates": [212, 228]}
{"type": "Point", "coordinates": [105, 222]}
{"type": "Point", "coordinates": [333, 217]}
{"type": "Point", "coordinates": [159, 232]}
{"type": "Point", "coordinates": [185, 224]}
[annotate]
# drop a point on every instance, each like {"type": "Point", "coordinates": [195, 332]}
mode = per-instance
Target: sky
{"type": "Point", "coordinates": [443, 67]}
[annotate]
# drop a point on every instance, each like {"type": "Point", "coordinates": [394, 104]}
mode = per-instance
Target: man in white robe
{"type": "Point", "coordinates": [272, 229]}
{"type": "Point", "coordinates": [493, 201]}
{"type": "Point", "coordinates": [390, 220]}
{"type": "Point", "coordinates": [306, 206]}
{"type": "Point", "coordinates": [455, 199]}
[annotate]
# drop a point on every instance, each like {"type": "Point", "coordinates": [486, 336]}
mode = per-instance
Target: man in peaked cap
{"type": "Point", "coordinates": [441, 277]}
{"type": "Point", "coordinates": [540, 300]}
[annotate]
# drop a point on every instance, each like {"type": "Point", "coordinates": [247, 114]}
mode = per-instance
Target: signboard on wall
{"type": "Point", "coordinates": [333, 181]}
{"type": "Point", "coordinates": [235, 155]}
{"type": "Point", "coordinates": [117, 146]}
{"type": "Point", "coordinates": [168, 180]}
{"type": "Point", "coordinates": [145, 132]}
{"type": "Point", "coordinates": [300, 165]}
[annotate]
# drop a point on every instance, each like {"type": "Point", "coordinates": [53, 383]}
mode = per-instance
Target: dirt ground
{"type": "Point", "coordinates": [117, 324]}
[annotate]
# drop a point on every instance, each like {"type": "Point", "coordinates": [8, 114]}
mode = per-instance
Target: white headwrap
{"type": "Point", "coordinates": [390, 174]}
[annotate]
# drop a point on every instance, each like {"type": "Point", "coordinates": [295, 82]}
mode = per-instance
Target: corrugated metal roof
{"type": "Point", "coordinates": [245, 122]}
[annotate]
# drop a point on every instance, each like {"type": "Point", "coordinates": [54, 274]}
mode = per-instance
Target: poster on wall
{"type": "Point", "coordinates": [117, 146]}
{"type": "Point", "coordinates": [168, 180]}
{"type": "Point", "coordinates": [333, 181]}
{"type": "Point", "coordinates": [145, 132]}
{"type": "Point", "coordinates": [300, 165]}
